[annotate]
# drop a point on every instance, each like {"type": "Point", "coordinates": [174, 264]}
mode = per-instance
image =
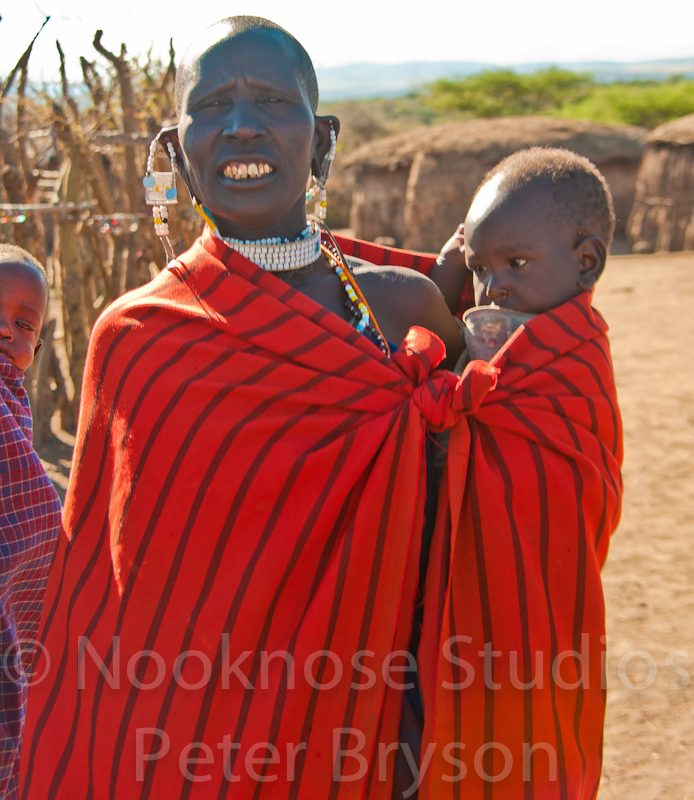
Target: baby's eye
{"type": "Point", "coordinates": [477, 269]}
{"type": "Point", "coordinates": [25, 325]}
{"type": "Point", "coordinates": [517, 263]}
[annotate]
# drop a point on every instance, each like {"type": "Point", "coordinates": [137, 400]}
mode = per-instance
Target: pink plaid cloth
{"type": "Point", "coordinates": [29, 527]}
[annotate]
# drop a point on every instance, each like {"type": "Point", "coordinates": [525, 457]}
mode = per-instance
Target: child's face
{"type": "Point", "coordinates": [23, 302]}
{"type": "Point", "coordinates": [521, 254]}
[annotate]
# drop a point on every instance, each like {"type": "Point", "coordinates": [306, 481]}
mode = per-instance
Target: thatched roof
{"type": "Point", "coordinates": [676, 132]}
{"type": "Point", "coordinates": [493, 139]}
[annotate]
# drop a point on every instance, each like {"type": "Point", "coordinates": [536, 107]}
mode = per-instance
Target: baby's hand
{"type": "Point", "coordinates": [449, 272]}
{"type": "Point", "coordinates": [453, 252]}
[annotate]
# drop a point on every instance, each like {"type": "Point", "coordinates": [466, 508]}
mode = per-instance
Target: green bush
{"type": "Point", "coordinates": [635, 103]}
{"type": "Point", "coordinates": [503, 93]}
{"type": "Point", "coordinates": [558, 92]}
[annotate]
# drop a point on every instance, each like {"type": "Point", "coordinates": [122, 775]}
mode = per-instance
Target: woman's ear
{"type": "Point", "coordinates": [323, 127]}
{"type": "Point", "coordinates": [170, 135]}
{"type": "Point", "coordinates": [592, 255]}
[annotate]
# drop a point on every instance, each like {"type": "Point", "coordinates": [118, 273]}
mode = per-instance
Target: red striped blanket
{"type": "Point", "coordinates": [231, 603]}
{"type": "Point", "coordinates": [513, 653]}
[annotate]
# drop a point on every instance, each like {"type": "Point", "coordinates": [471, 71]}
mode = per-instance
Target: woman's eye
{"type": "Point", "coordinates": [517, 263]}
{"type": "Point", "coordinates": [212, 102]}
{"type": "Point", "coordinates": [478, 269]}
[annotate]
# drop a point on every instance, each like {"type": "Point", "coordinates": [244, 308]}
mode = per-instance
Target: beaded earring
{"type": "Point", "coordinates": [160, 189]}
{"type": "Point", "coordinates": [318, 184]}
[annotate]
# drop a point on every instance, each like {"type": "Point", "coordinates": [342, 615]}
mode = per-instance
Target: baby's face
{"type": "Point", "coordinates": [521, 254]}
{"type": "Point", "coordinates": [23, 302]}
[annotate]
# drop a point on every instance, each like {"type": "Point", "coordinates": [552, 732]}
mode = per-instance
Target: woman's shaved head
{"type": "Point", "coordinates": [229, 28]}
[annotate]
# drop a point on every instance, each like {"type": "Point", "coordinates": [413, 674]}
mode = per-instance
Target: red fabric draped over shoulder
{"type": "Point", "coordinates": [386, 256]}
{"type": "Point", "coordinates": [240, 549]}
{"type": "Point", "coordinates": [242, 538]}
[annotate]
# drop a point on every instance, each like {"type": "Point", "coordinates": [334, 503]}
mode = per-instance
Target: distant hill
{"type": "Point", "coordinates": [364, 81]}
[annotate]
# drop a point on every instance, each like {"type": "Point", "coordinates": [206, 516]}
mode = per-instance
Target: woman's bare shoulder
{"type": "Point", "coordinates": [402, 280]}
{"type": "Point", "coordinates": [401, 298]}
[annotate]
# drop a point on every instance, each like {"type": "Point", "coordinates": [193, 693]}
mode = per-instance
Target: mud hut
{"type": "Point", "coordinates": [663, 214]}
{"type": "Point", "coordinates": [415, 187]}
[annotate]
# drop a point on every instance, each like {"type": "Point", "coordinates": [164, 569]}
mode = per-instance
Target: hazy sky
{"type": "Point", "coordinates": [334, 33]}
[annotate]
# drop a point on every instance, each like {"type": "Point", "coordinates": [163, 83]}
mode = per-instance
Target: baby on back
{"type": "Point", "coordinates": [536, 235]}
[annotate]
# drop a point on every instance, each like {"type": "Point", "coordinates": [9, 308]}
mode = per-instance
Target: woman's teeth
{"type": "Point", "coordinates": [241, 172]}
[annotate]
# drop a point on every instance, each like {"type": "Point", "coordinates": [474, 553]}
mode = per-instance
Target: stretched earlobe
{"type": "Point", "coordinates": [168, 136]}
{"type": "Point", "coordinates": [320, 166]}
{"type": "Point", "coordinates": [324, 125]}
{"type": "Point", "coordinates": [592, 255]}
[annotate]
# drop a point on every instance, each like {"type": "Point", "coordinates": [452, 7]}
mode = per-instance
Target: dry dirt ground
{"type": "Point", "coordinates": [649, 576]}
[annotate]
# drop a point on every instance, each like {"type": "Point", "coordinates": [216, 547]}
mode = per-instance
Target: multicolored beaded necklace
{"type": "Point", "coordinates": [267, 254]}
{"type": "Point", "coordinates": [356, 303]}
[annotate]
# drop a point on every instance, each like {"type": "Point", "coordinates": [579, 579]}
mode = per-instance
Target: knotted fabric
{"type": "Point", "coordinates": [231, 604]}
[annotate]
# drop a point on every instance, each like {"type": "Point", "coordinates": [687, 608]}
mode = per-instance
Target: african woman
{"type": "Point", "coordinates": [247, 491]}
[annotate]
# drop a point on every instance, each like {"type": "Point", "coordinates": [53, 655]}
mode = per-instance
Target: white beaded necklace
{"type": "Point", "coordinates": [277, 253]}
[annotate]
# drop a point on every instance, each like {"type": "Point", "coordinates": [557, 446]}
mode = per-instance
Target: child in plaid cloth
{"type": "Point", "coordinates": [29, 505]}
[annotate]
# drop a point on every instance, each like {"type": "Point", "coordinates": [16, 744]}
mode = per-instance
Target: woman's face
{"type": "Point", "coordinates": [248, 136]}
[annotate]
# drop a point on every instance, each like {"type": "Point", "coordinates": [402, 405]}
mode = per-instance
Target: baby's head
{"type": "Point", "coordinates": [538, 230]}
{"type": "Point", "coordinates": [23, 304]}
